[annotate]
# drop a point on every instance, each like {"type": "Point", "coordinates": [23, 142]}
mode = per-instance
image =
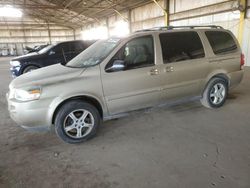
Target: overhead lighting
{"type": "Point", "coordinates": [9, 11]}
{"type": "Point", "coordinates": [95, 33]}
{"type": "Point", "coordinates": [120, 29]}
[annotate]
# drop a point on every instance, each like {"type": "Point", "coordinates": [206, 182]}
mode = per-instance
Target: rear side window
{"type": "Point", "coordinates": [181, 46]}
{"type": "Point", "coordinates": [221, 42]}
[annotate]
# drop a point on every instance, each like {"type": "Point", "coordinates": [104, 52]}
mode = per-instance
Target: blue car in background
{"type": "Point", "coordinates": [50, 55]}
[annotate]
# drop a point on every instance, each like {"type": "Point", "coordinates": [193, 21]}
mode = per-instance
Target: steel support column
{"type": "Point", "coordinates": [107, 25]}
{"type": "Point", "coordinates": [49, 33]}
{"type": "Point", "coordinates": [130, 21]}
{"type": "Point", "coordinates": [165, 10]}
{"type": "Point", "coordinates": [242, 8]}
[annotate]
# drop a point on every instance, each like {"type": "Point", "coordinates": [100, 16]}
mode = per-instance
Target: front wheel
{"type": "Point", "coordinates": [29, 68]}
{"type": "Point", "coordinates": [77, 121]}
{"type": "Point", "coordinates": [215, 93]}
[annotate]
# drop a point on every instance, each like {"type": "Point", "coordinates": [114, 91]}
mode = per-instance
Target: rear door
{"type": "Point", "coordinates": [184, 64]}
{"type": "Point", "coordinates": [138, 84]}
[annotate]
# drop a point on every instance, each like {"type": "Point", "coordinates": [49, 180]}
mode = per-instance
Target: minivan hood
{"type": "Point", "coordinates": [46, 76]}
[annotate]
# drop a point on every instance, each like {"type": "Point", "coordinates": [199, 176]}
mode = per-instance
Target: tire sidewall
{"type": "Point", "coordinates": [210, 87]}
{"type": "Point", "coordinates": [67, 109]}
{"type": "Point", "coordinates": [28, 68]}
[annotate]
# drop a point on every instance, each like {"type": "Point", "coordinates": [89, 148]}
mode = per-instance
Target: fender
{"type": "Point", "coordinates": [26, 64]}
{"type": "Point", "coordinates": [220, 73]}
{"type": "Point", "coordinates": [216, 73]}
{"type": "Point", "coordinates": [62, 98]}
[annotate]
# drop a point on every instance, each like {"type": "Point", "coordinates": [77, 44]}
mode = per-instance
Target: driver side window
{"type": "Point", "coordinates": [56, 50]}
{"type": "Point", "coordinates": [137, 53]}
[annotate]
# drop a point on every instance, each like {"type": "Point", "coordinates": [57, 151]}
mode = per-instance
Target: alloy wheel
{"type": "Point", "coordinates": [78, 123]}
{"type": "Point", "coordinates": [217, 93]}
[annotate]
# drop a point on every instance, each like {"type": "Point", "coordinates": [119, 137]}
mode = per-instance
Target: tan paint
{"type": "Point", "coordinates": [123, 91]}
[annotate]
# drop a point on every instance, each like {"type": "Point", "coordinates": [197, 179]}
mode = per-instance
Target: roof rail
{"type": "Point", "coordinates": [180, 27]}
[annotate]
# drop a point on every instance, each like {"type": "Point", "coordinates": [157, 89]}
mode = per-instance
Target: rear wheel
{"type": "Point", "coordinates": [77, 121]}
{"type": "Point", "coordinates": [29, 68]}
{"type": "Point", "coordinates": [215, 93]}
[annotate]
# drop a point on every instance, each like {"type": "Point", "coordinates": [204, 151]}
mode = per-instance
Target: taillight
{"type": "Point", "coordinates": [242, 61]}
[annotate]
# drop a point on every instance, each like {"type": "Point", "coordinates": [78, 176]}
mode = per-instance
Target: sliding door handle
{"type": "Point", "coordinates": [169, 69]}
{"type": "Point", "coordinates": [154, 72]}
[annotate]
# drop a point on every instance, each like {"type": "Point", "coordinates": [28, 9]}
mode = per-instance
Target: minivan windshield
{"type": "Point", "coordinates": [95, 54]}
{"type": "Point", "coordinates": [46, 49]}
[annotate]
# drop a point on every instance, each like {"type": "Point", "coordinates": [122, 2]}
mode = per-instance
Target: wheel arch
{"type": "Point", "coordinates": [29, 64]}
{"type": "Point", "coordinates": [85, 98]}
{"type": "Point", "coordinates": [221, 75]}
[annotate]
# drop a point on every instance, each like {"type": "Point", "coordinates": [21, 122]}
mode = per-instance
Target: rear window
{"type": "Point", "coordinates": [181, 46]}
{"type": "Point", "coordinates": [221, 42]}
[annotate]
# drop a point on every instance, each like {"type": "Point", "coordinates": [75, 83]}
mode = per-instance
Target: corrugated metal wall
{"type": "Point", "coordinates": [246, 41]}
{"type": "Point", "coordinates": [182, 12]}
{"type": "Point", "coordinates": [16, 36]}
{"type": "Point", "coordinates": [147, 16]}
{"type": "Point", "coordinates": [35, 35]}
{"type": "Point", "coordinates": [246, 36]}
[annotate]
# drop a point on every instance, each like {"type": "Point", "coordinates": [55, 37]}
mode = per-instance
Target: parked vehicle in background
{"type": "Point", "coordinates": [62, 53]}
{"type": "Point", "coordinates": [37, 48]}
{"type": "Point", "coordinates": [5, 51]}
{"type": "Point", "coordinates": [118, 75]}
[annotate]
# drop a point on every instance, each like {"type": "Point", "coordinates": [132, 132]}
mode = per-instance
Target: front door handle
{"type": "Point", "coordinates": [169, 69]}
{"type": "Point", "coordinates": [154, 72]}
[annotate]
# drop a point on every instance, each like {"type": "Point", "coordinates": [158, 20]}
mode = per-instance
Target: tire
{"type": "Point", "coordinates": [77, 121]}
{"type": "Point", "coordinates": [213, 99]}
{"type": "Point", "coordinates": [29, 68]}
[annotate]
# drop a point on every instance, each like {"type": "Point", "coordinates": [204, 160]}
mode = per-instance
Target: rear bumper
{"type": "Point", "coordinates": [235, 78]}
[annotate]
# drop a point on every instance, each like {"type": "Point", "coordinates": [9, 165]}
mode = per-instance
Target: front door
{"type": "Point", "coordinates": [55, 56]}
{"type": "Point", "coordinates": [137, 84]}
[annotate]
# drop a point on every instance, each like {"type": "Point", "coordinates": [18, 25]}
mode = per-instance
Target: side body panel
{"type": "Point", "coordinates": [130, 89]}
{"type": "Point", "coordinates": [184, 78]}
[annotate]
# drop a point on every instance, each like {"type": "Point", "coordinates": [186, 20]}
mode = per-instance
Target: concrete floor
{"type": "Point", "coordinates": [183, 146]}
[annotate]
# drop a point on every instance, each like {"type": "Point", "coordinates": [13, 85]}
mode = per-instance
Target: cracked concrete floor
{"type": "Point", "coordinates": [180, 146]}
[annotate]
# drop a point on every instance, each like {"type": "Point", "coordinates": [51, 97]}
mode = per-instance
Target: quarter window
{"type": "Point", "coordinates": [221, 42]}
{"type": "Point", "coordinates": [181, 46]}
{"type": "Point", "coordinates": [136, 53]}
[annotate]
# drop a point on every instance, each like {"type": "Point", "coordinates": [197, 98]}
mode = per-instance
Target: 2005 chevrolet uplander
{"type": "Point", "coordinates": [117, 75]}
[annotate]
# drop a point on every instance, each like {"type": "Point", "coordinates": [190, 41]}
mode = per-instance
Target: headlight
{"type": "Point", "coordinates": [27, 95]}
{"type": "Point", "coordinates": [14, 63]}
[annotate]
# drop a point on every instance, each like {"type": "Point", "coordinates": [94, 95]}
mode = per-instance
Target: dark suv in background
{"type": "Point", "coordinates": [52, 54]}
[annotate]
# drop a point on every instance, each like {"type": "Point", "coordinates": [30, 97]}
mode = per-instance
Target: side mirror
{"type": "Point", "coordinates": [118, 65]}
{"type": "Point", "coordinates": [51, 52]}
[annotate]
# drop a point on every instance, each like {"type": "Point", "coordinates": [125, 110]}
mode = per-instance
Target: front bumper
{"type": "Point", "coordinates": [30, 115]}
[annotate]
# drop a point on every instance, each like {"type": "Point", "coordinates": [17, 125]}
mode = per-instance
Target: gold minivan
{"type": "Point", "coordinates": [118, 75]}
